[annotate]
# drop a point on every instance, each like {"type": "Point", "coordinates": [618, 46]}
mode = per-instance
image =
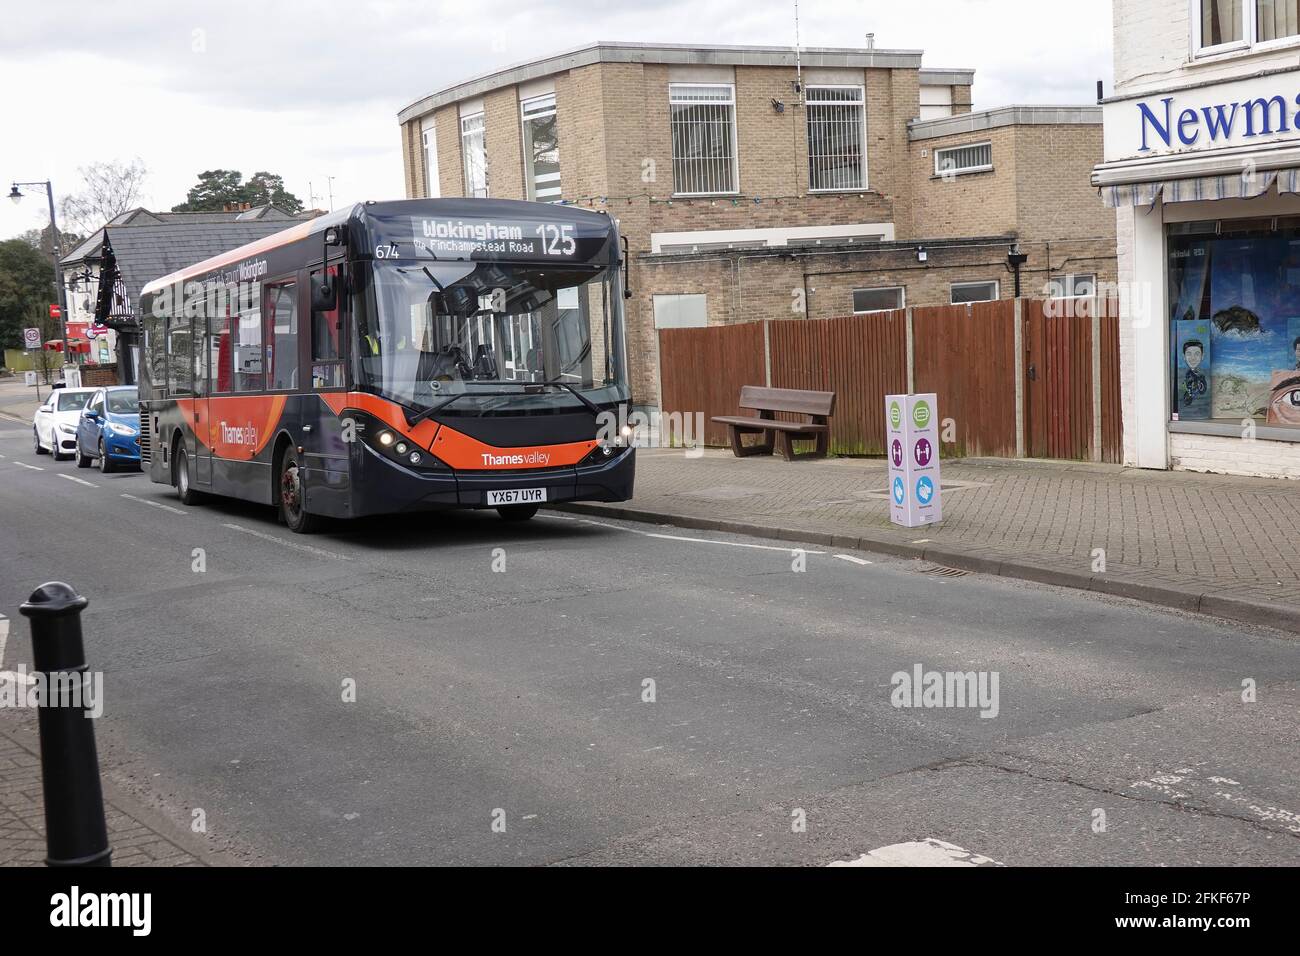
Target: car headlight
{"type": "Point", "coordinates": [67, 429]}
{"type": "Point", "coordinates": [117, 429]}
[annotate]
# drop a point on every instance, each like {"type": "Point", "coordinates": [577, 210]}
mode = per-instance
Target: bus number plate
{"type": "Point", "coordinates": [516, 496]}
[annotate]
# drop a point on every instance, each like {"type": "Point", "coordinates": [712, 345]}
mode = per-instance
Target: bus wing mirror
{"type": "Point", "coordinates": [324, 294]}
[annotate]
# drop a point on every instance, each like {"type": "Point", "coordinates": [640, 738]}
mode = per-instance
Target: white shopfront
{"type": "Point", "coordinates": [1205, 176]}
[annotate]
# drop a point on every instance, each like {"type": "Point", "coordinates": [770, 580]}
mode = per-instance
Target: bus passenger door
{"type": "Point", "coordinates": [205, 357]}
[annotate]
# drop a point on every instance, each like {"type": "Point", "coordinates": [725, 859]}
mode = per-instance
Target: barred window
{"type": "Point", "coordinates": [836, 140]}
{"type": "Point", "coordinates": [976, 158]}
{"type": "Point", "coordinates": [474, 148]}
{"type": "Point", "coordinates": [703, 119]}
{"type": "Point", "coordinates": [542, 148]}
{"type": "Point", "coordinates": [1073, 286]}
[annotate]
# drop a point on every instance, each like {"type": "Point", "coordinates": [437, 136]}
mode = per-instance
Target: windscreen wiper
{"type": "Point", "coordinates": [595, 409]}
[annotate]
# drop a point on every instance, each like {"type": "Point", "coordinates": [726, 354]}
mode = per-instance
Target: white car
{"type": "Point", "coordinates": [54, 426]}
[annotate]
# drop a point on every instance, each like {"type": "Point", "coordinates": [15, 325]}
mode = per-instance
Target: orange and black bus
{"type": "Point", "coordinates": [395, 356]}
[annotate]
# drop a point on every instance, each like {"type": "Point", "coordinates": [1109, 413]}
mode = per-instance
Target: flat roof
{"type": "Point", "coordinates": [606, 51]}
{"type": "Point", "coordinates": [1002, 116]}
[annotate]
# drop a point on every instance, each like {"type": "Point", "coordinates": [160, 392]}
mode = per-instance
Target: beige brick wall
{"type": "Point", "coordinates": [1053, 190]}
{"type": "Point", "coordinates": [505, 149]}
{"type": "Point", "coordinates": [451, 167]}
{"type": "Point", "coordinates": [971, 204]}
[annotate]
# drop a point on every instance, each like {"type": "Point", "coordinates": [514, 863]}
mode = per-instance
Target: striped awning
{"type": "Point", "coordinates": [1248, 184]}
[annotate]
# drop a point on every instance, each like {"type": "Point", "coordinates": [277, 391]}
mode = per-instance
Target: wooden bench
{"type": "Point", "coordinates": [816, 407]}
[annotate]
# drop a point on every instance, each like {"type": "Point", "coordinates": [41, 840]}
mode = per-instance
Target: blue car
{"type": "Point", "coordinates": [109, 430]}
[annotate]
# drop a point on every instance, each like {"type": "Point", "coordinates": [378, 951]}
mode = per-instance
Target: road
{"type": "Point", "coordinates": [518, 696]}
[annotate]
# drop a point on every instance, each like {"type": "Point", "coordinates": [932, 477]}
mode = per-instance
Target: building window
{"type": "Point", "coordinates": [1234, 328]}
{"type": "Point", "coordinates": [1223, 25]}
{"type": "Point", "coordinates": [473, 147]}
{"type": "Point", "coordinates": [837, 156]}
{"type": "Point", "coordinates": [703, 119]}
{"type": "Point", "coordinates": [961, 293]}
{"type": "Point", "coordinates": [956, 160]}
{"type": "Point", "coordinates": [431, 185]}
{"type": "Point", "coordinates": [1081, 286]}
{"type": "Point", "coordinates": [542, 148]}
{"type": "Point", "coordinates": [681, 311]}
{"type": "Point", "coordinates": [879, 300]}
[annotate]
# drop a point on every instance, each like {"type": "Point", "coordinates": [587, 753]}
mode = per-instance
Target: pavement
{"type": "Point", "coordinates": [585, 690]}
{"type": "Point", "coordinates": [1215, 544]}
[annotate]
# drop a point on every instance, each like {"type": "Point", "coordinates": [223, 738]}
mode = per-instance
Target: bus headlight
{"type": "Point", "coordinates": [415, 458]}
{"type": "Point", "coordinates": [400, 448]}
{"type": "Point", "coordinates": [385, 438]}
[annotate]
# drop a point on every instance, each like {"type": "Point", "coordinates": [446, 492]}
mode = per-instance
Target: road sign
{"type": "Point", "coordinates": [55, 311]}
{"type": "Point", "coordinates": [31, 338]}
{"type": "Point", "coordinates": [912, 437]}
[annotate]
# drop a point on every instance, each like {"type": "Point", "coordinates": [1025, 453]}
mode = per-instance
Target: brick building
{"type": "Point", "coordinates": [754, 184]}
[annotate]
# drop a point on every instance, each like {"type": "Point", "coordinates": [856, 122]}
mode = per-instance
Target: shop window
{"type": "Point", "coordinates": [1235, 327]}
{"type": "Point", "coordinates": [963, 293]}
{"type": "Point", "coordinates": [879, 300]}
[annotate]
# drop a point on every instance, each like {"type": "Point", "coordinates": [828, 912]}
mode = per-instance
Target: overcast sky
{"type": "Point", "coordinates": [311, 89]}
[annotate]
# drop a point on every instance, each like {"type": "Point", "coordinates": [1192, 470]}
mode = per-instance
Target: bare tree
{"type": "Point", "coordinates": [108, 189]}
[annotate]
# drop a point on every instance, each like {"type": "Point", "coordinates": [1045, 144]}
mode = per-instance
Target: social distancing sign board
{"type": "Point", "coordinates": [912, 441]}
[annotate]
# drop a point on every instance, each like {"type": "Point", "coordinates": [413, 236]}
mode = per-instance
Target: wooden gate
{"type": "Point", "coordinates": [967, 356]}
{"type": "Point", "coordinates": [1064, 393]}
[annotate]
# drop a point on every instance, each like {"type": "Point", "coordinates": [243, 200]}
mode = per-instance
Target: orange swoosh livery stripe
{"type": "Point", "coordinates": [237, 427]}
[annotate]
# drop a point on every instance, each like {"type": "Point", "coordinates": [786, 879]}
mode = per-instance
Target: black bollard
{"type": "Point", "coordinates": [76, 833]}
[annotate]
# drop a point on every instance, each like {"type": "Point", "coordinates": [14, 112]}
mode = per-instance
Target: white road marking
{"type": "Point", "coordinates": [4, 636]}
{"type": "Point", "coordinates": [921, 541]}
{"type": "Point", "coordinates": [928, 852]}
{"type": "Point", "coordinates": [678, 537]}
{"type": "Point", "coordinates": [23, 464]}
{"type": "Point", "coordinates": [849, 557]}
{"type": "Point", "coordinates": [12, 677]}
{"type": "Point", "coordinates": [80, 481]}
{"type": "Point", "coordinates": [156, 504]}
{"type": "Point", "coordinates": [288, 544]}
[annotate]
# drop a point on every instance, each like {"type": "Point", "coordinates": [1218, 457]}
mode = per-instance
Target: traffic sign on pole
{"type": "Point", "coordinates": [31, 338]}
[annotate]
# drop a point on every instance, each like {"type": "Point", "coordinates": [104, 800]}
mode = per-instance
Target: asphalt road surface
{"type": "Point", "coordinates": [505, 716]}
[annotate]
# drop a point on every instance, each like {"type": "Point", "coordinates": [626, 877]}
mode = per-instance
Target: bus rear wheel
{"type": "Point", "coordinates": [293, 510]}
{"type": "Point", "coordinates": [517, 512]}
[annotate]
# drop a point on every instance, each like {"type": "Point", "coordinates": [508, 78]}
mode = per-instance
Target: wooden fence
{"type": "Point", "coordinates": [1057, 398]}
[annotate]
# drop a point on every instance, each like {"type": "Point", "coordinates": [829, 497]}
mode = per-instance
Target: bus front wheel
{"type": "Point", "coordinates": [517, 512]}
{"type": "Point", "coordinates": [181, 479]}
{"type": "Point", "coordinates": [293, 511]}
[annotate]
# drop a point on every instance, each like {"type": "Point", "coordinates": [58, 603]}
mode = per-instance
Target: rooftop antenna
{"type": "Point", "coordinates": [798, 63]}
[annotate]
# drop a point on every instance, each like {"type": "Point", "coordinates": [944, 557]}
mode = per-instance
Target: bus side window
{"type": "Point", "coordinates": [281, 309]}
{"type": "Point", "coordinates": [180, 357]}
{"type": "Point", "coordinates": [327, 339]}
{"type": "Point", "coordinates": [246, 356]}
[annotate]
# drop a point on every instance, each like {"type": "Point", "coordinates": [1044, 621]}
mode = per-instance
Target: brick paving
{"type": "Point", "coordinates": [1216, 535]}
{"type": "Point", "coordinates": [139, 837]}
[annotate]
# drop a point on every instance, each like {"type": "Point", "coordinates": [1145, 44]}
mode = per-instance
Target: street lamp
{"type": "Point", "coordinates": [16, 196]}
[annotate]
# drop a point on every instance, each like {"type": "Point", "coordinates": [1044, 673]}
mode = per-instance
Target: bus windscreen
{"type": "Point", "coordinates": [485, 330]}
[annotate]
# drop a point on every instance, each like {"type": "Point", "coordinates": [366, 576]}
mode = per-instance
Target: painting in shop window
{"type": "Point", "coordinates": [1238, 299]}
